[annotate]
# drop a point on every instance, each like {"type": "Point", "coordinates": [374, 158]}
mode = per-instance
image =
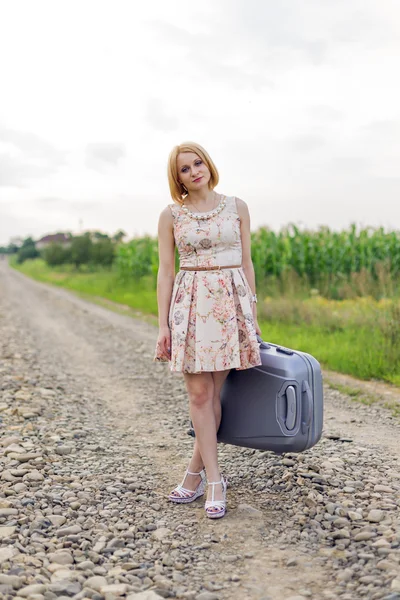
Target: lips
{"type": "Point", "coordinates": [198, 179]}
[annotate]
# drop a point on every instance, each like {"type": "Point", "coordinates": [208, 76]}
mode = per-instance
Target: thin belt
{"type": "Point", "coordinates": [217, 268]}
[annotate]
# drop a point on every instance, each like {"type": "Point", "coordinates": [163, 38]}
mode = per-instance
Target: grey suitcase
{"type": "Point", "coordinates": [277, 406]}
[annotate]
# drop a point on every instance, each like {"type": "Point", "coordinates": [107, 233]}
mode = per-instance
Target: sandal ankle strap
{"type": "Point", "coordinates": [190, 472]}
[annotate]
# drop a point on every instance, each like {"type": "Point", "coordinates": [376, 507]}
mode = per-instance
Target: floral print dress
{"type": "Point", "coordinates": [210, 315]}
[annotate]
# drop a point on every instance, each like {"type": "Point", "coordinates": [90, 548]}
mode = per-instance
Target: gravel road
{"type": "Point", "coordinates": [93, 435]}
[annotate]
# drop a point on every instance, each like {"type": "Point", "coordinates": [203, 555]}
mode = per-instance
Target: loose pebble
{"type": "Point", "coordinates": [92, 439]}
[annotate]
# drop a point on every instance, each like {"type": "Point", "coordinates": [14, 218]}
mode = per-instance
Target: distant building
{"type": "Point", "coordinates": [56, 238]}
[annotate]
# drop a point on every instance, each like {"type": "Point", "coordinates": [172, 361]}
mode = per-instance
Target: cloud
{"type": "Point", "coordinates": [275, 33]}
{"type": "Point", "coordinates": [350, 166]}
{"type": "Point", "coordinates": [15, 172]}
{"type": "Point", "coordinates": [324, 112]}
{"type": "Point", "coordinates": [101, 155]}
{"type": "Point", "coordinates": [208, 57]}
{"type": "Point", "coordinates": [382, 130]}
{"type": "Point", "coordinates": [157, 116]}
{"type": "Point", "coordinates": [30, 144]}
{"type": "Point", "coordinates": [307, 142]}
{"type": "Point", "coordinates": [26, 156]}
{"type": "Point", "coordinates": [48, 200]}
{"type": "Point", "coordinates": [369, 25]}
{"type": "Point", "coordinates": [53, 202]}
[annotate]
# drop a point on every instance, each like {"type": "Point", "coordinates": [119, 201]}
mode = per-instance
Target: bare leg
{"type": "Point", "coordinates": [205, 409]}
{"type": "Point", "coordinates": [196, 463]}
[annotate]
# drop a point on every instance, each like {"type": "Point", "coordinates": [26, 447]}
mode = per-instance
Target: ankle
{"type": "Point", "coordinates": [196, 469]}
{"type": "Point", "coordinates": [214, 475]}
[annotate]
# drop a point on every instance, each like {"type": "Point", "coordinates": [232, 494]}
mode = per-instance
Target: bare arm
{"type": "Point", "coordinates": [166, 268]}
{"type": "Point", "coordinates": [247, 263]}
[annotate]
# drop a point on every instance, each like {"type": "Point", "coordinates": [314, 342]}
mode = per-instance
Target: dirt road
{"type": "Point", "coordinates": [322, 524]}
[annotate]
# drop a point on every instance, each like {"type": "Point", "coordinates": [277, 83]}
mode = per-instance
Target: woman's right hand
{"type": "Point", "coordinates": [164, 342]}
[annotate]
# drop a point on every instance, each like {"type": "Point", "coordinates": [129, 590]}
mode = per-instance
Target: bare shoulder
{"type": "Point", "coordinates": [166, 215]}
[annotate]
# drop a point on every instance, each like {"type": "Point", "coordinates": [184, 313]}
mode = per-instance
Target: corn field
{"type": "Point", "coordinates": [336, 265]}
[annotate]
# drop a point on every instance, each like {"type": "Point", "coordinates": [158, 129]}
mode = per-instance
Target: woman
{"type": "Point", "coordinates": [207, 312]}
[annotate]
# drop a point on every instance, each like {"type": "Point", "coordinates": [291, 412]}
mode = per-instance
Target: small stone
{"type": "Point", "coordinates": [29, 590]}
{"type": "Point", "coordinates": [23, 456]}
{"type": "Point", "coordinates": [7, 553]}
{"type": "Point", "coordinates": [385, 565]}
{"type": "Point", "coordinates": [61, 558]}
{"type": "Point", "coordinates": [354, 516]}
{"type": "Point", "coordinates": [6, 532]}
{"type": "Point", "coordinates": [345, 575]}
{"type": "Point", "coordinates": [14, 448]}
{"type": "Point", "coordinates": [7, 476]}
{"type": "Point", "coordinates": [292, 562]}
{"type": "Point", "coordinates": [7, 512]}
{"type": "Point", "coordinates": [383, 488]}
{"type": "Point", "coordinates": [118, 589]}
{"type": "Point", "coordinates": [13, 580]}
{"type": "Point", "coordinates": [65, 588]}
{"type": "Point", "coordinates": [72, 530]}
{"type": "Point", "coordinates": [34, 475]}
{"type": "Point", "coordinates": [248, 511]}
{"type": "Point", "coordinates": [207, 596]}
{"type": "Point", "coordinates": [147, 595]}
{"type": "Point", "coordinates": [56, 520]}
{"type": "Point", "coordinates": [161, 533]}
{"type": "Point", "coordinates": [375, 516]}
{"type": "Point", "coordinates": [341, 534]}
{"type": "Point", "coordinates": [230, 558]}
{"type": "Point", "coordinates": [395, 585]}
{"type": "Point", "coordinates": [96, 582]}
{"type": "Point", "coordinates": [61, 574]}
{"type": "Point", "coordinates": [85, 565]}
{"type": "Point", "coordinates": [364, 536]}
{"type": "Point", "coordinates": [19, 487]}
{"type": "Point", "coordinates": [63, 450]}
{"type": "Point", "coordinates": [381, 543]}
{"type": "Point", "coordinates": [340, 522]}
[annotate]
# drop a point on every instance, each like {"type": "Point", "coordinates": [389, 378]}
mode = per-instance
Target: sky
{"type": "Point", "coordinates": [296, 101]}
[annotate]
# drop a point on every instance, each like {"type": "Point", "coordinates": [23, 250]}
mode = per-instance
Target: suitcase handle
{"type": "Point", "coordinates": [263, 344]}
{"type": "Point", "coordinates": [307, 407]}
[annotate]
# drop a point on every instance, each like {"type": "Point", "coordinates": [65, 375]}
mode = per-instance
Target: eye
{"type": "Point", "coordinates": [198, 162]}
{"type": "Point", "coordinates": [184, 169]}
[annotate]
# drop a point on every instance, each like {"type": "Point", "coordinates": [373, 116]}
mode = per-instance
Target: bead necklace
{"type": "Point", "coordinates": [206, 215]}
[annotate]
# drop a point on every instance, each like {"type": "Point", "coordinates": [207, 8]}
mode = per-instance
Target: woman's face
{"type": "Point", "coordinates": [192, 171]}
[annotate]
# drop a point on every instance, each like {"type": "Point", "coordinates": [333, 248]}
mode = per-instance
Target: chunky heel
{"type": "Point", "coordinates": [185, 495]}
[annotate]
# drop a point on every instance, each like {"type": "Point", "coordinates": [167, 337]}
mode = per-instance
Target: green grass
{"type": "Point", "coordinates": [354, 351]}
{"type": "Point", "coordinates": [349, 337]}
{"type": "Point", "coordinates": [103, 283]}
{"type": "Point", "coordinates": [365, 398]}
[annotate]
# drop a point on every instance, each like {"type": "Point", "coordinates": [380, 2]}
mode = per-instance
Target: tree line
{"type": "Point", "coordinates": [89, 248]}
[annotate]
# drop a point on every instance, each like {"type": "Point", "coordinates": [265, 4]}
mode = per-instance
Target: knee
{"type": "Point", "coordinates": [200, 398]}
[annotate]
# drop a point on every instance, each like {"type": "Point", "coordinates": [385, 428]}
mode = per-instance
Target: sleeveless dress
{"type": "Point", "coordinates": [210, 315]}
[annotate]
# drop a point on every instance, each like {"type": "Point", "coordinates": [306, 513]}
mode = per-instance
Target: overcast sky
{"type": "Point", "coordinates": [297, 101]}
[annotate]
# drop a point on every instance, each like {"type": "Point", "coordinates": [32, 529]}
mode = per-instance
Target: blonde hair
{"type": "Point", "coordinates": [177, 190]}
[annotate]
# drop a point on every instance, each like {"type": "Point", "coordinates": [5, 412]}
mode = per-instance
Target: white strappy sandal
{"type": "Point", "coordinates": [220, 504]}
{"type": "Point", "coordinates": [185, 495]}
